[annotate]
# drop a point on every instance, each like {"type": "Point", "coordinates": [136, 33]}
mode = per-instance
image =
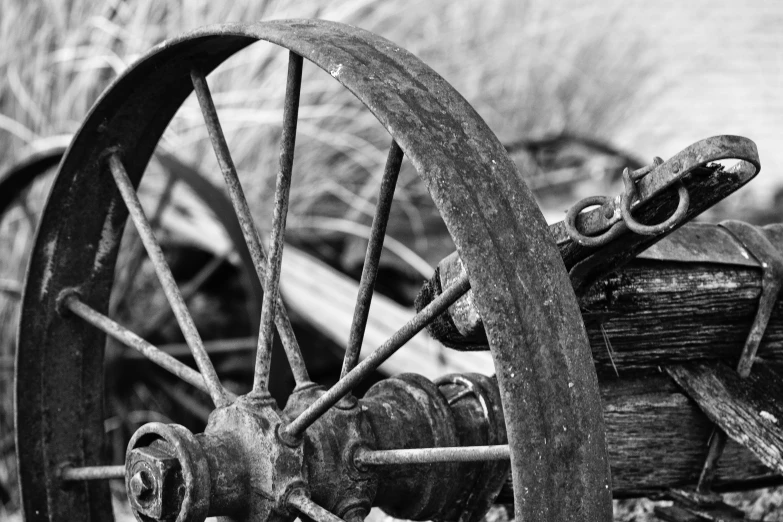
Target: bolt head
{"type": "Point", "coordinates": [141, 484]}
{"type": "Point", "coordinates": [156, 486]}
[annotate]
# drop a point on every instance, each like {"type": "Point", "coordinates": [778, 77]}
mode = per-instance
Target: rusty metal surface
{"type": "Point", "coordinates": [372, 257]}
{"type": "Point", "coordinates": [770, 260]}
{"type": "Point", "coordinates": [92, 473]}
{"type": "Point", "coordinates": [251, 245]}
{"type": "Point", "coordinates": [668, 174]}
{"type": "Point", "coordinates": [541, 352]}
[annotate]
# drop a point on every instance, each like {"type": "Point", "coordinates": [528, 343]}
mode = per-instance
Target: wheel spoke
{"type": "Point", "coordinates": [372, 258]}
{"type": "Point", "coordinates": [431, 455]}
{"type": "Point", "coordinates": [136, 257]}
{"type": "Point", "coordinates": [12, 288]}
{"type": "Point", "coordinates": [304, 505]}
{"type": "Point", "coordinates": [189, 289]}
{"type": "Point", "coordinates": [93, 473]}
{"type": "Point", "coordinates": [166, 278]}
{"type": "Point", "coordinates": [282, 190]}
{"type": "Point", "coordinates": [185, 401]}
{"type": "Point", "coordinates": [212, 347]}
{"type": "Point", "coordinates": [130, 339]}
{"type": "Point", "coordinates": [249, 230]}
{"type": "Point", "coordinates": [376, 358]}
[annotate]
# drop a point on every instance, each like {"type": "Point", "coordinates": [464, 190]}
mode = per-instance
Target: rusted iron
{"type": "Point", "coordinates": [277, 238]}
{"type": "Point", "coordinates": [70, 474]}
{"type": "Point", "coordinates": [167, 281]}
{"type": "Point", "coordinates": [521, 289]}
{"type": "Point", "coordinates": [771, 260]}
{"type": "Point", "coordinates": [363, 369]}
{"type": "Point", "coordinates": [168, 469]}
{"type": "Point", "coordinates": [432, 455]}
{"type": "Point", "coordinates": [372, 258]}
{"type": "Point", "coordinates": [249, 230]}
{"type": "Point", "coordinates": [69, 300]}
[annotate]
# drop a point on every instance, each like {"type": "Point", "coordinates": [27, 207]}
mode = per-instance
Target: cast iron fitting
{"type": "Point", "coordinates": [166, 474]}
{"type": "Point", "coordinates": [409, 411]}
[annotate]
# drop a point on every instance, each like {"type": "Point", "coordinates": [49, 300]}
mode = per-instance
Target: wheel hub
{"type": "Point", "coordinates": [242, 467]}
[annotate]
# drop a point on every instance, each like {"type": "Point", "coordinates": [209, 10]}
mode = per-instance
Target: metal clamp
{"type": "Point", "coordinates": [771, 261]}
{"type": "Point", "coordinates": [631, 197]}
{"type": "Point", "coordinates": [621, 219]}
{"type": "Point", "coordinates": [602, 225]}
{"type": "Point", "coordinates": [617, 228]}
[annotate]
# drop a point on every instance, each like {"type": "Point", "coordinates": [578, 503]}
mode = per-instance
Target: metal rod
{"type": "Point", "coordinates": [93, 473]}
{"type": "Point", "coordinates": [189, 289]}
{"type": "Point", "coordinates": [130, 339]}
{"type": "Point", "coordinates": [376, 358]}
{"type": "Point", "coordinates": [212, 347]}
{"type": "Point", "coordinates": [166, 278]}
{"type": "Point", "coordinates": [717, 445]}
{"type": "Point", "coordinates": [136, 248]}
{"type": "Point", "coordinates": [246, 222]}
{"type": "Point", "coordinates": [372, 258]}
{"type": "Point", "coordinates": [10, 287]}
{"type": "Point", "coordinates": [277, 239]}
{"type": "Point", "coordinates": [304, 505]}
{"type": "Point", "coordinates": [186, 401]}
{"type": "Point", "coordinates": [430, 455]}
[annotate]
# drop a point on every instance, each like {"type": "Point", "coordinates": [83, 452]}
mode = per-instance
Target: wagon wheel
{"type": "Point", "coordinates": [326, 453]}
{"type": "Point", "coordinates": [23, 189]}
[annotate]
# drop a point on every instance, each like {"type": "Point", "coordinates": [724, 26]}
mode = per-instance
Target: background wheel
{"type": "Point", "coordinates": [203, 253]}
{"type": "Point", "coordinates": [543, 363]}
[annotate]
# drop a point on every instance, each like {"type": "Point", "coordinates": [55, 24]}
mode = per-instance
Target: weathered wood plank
{"type": "Point", "coordinates": [657, 438]}
{"type": "Point", "coordinates": [748, 410]}
{"type": "Point", "coordinates": [654, 313]}
{"type": "Point", "coordinates": [692, 296]}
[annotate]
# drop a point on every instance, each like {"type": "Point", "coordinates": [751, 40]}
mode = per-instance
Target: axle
{"type": "Point", "coordinates": [243, 466]}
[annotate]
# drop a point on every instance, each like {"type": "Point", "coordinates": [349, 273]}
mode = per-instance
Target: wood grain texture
{"type": "Point", "coordinates": [749, 410]}
{"type": "Point", "coordinates": [656, 313]}
{"type": "Point", "coordinates": [657, 440]}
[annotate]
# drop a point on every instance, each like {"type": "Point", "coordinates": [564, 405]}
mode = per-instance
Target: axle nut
{"type": "Point", "coordinates": [167, 475]}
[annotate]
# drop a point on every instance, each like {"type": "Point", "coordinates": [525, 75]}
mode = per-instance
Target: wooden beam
{"type": "Point", "coordinates": [749, 410]}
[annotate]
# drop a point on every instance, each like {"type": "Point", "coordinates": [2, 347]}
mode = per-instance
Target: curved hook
{"type": "Point", "coordinates": [591, 241]}
{"type": "Point", "coordinates": [651, 230]}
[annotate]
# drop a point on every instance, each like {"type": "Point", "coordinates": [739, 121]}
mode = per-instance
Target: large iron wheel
{"type": "Point", "coordinates": [326, 453]}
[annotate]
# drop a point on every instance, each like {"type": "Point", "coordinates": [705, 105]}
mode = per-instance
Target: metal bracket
{"type": "Point", "coordinates": [642, 186]}
{"type": "Point", "coordinates": [771, 261]}
{"type": "Point", "coordinates": [621, 219]}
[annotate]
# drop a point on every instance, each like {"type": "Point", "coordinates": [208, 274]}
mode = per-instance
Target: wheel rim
{"type": "Point", "coordinates": [32, 177]}
{"type": "Point", "coordinates": [538, 342]}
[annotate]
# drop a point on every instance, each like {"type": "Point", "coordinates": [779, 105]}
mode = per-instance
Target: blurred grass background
{"type": "Point", "coordinates": [647, 77]}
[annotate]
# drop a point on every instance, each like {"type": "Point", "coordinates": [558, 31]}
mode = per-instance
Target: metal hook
{"type": "Point", "coordinates": [591, 241]}
{"type": "Point", "coordinates": [631, 194]}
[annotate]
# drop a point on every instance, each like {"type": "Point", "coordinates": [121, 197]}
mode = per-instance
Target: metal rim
{"type": "Point", "coordinates": [15, 181]}
{"type": "Point", "coordinates": [542, 357]}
